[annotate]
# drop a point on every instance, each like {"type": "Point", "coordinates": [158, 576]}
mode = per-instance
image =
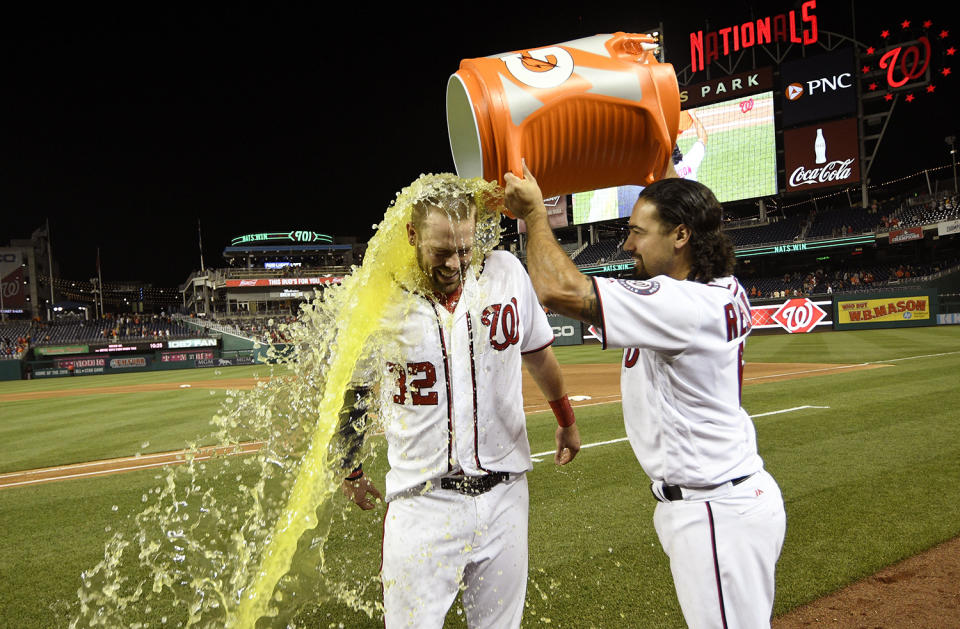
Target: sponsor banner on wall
{"type": "Point", "coordinates": [948, 227]}
{"type": "Point", "coordinates": [132, 362]}
{"type": "Point", "coordinates": [906, 235]}
{"type": "Point", "coordinates": [796, 316]}
{"type": "Point", "coordinates": [566, 331]}
{"type": "Point", "coordinates": [818, 87]}
{"type": "Point", "coordinates": [727, 87]}
{"type": "Point", "coordinates": [80, 362]}
{"type": "Point", "coordinates": [178, 357]}
{"type": "Point", "coordinates": [224, 362]}
{"type": "Point", "coordinates": [895, 309]}
{"type": "Point", "coordinates": [284, 281]}
{"type": "Point", "coordinates": [951, 318]}
{"type": "Point", "coordinates": [556, 213]}
{"type": "Point", "coordinates": [823, 155]}
{"type": "Point", "coordinates": [60, 350]}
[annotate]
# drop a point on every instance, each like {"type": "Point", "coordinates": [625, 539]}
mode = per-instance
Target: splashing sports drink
{"type": "Point", "coordinates": [586, 114]}
{"type": "Point", "coordinates": [238, 540]}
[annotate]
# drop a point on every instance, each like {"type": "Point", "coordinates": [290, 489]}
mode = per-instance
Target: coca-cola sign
{"type": "Point", "coordinates": [822, 155]}
{"type": "Point", "coordinates": [833, 171]}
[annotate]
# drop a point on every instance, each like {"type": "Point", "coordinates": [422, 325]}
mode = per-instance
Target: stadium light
{"type": "Point", "coordinates": [951, 140]}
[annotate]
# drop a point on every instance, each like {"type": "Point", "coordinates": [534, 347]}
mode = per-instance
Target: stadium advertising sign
{"type": "Point", "coordinates": [556, 213]}
{"type": "Point", "coordinates": [133, 362]}
{"type": "Point", "coordinates": [224, 362]}
{"type": "Point", "coordinates": [818, 87]}
{"type": "Point", "coordinates": [948, 227]}
{"type": "Point", "coordinates": [284, 281]}
{"type": "Point", "coordinates": [728, 146]}
{"type": "Point", "coordinates": [179, 357]}
{"type": "Point", "coordinates": [566, 331]}
{"type": "Point", "coordinates": [905, 235]}
{"type": "Point", "coordinates": [81, 362]}
{"type": "Point", "coordinates": [12, 288]}
{"type": "Point", "coordinates": [735, 85]}
{"type": "Point", "coordinates": [796, 316]}
{"type": "Point", "coordinates": [822, 155]}
{"type": "Point", "coordinates": [180, 343]}
{"type": "Point", "coordinates": [885, 311]}
{"type": "Point", "coordinates": [793, 27]}
{"type": "Point", "coordinates": [61, 350]}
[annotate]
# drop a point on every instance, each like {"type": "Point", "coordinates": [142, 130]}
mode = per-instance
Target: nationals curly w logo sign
{"type": "Point", "coordinates": [796, 316]}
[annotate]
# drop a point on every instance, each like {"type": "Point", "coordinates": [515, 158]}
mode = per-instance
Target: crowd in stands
{"type": "Point", "coordinates": [14, 340]}
{"type": "Point", "coordinates": [265, 328]}
{"type": "Point", "coordinates": [111, 328]}
{"type": "Point", "coordinates": [828, 222]}
{"type": "Point", "coordinates": [924, 213]}
{"type": "Point", "coordinates": [829, 282]}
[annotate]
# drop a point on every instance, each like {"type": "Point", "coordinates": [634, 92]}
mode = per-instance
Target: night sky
{"type": "Point", "coordinates": [124, 128]}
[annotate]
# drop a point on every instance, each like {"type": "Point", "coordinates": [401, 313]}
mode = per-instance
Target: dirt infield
{"type": "Point", "coordinates": [922, 591]}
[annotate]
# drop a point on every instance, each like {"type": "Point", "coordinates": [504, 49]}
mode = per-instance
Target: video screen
{"type": "Point", "coordinates": [730, 147]}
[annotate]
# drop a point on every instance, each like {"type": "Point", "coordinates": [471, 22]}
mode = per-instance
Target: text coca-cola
{"type": "Point", "coordinates": [836, 170]}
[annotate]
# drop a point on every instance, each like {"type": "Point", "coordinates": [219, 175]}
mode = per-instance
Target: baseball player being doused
{"type": "Point", "coordinates": [451, 406]}
{"type": "Point", "coordinates": [682, 325]}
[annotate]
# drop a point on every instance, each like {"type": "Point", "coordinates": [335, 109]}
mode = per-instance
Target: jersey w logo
{"type": "Point", "coordinates": [640, 287]}
{"type": "Point", "coordinates": [504, 323]}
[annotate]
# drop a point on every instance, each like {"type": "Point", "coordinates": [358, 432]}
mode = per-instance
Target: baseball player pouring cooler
{"type": "Point", "coordinates": [451, 404]}
{"type": "Point", "coordinates": [682, 325]}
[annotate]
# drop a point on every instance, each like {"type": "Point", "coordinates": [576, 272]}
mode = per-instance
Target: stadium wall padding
{"type": "Point", "coordinates": [10, 369]}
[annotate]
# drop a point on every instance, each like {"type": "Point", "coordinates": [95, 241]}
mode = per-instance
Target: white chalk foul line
{"type": "Point", "coordinates": [535, 459]}
{"type": "Point", "coordinates": [871, 362]}
{"type": "Point", "coordinates": [793, 373]}
{"type": "Point", "coordinates": [129, 464]}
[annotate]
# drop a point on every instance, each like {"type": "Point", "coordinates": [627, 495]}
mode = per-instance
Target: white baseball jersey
{"type": "Point", "coordinates": [688, 166]}
{"type": "Point", "coordinates": [455, 403]}
{"type": "Point", "coordinates": [681, 376]}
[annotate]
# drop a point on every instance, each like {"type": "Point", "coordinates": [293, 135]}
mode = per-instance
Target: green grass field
{"type": "Point", "coordinates": [868, 481]}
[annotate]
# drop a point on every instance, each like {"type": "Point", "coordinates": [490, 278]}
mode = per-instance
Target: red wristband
{"type": "Point", "coordinates": [563, 411]}
{"type": "Point", "coordinates": [356, 474]}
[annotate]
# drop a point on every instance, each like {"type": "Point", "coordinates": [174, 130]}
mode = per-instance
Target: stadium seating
{"type": "Point", "coordinates": [121, 328]}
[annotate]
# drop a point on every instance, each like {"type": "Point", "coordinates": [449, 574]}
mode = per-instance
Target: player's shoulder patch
{"type": "Point", "coordinates": [640, 287]}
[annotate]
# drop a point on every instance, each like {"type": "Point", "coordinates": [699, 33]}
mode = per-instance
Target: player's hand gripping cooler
{"type": "Point", "coordinates": [587, 114]}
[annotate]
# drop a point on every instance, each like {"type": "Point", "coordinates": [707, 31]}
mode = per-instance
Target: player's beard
{"type": "Point", "coordinates": [436, 277]}
{"type": "Point", "coordinates": [639, 271]}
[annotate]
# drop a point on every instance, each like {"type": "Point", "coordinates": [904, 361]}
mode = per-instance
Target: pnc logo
{"type": "Point", "coordinates": [822, 85]}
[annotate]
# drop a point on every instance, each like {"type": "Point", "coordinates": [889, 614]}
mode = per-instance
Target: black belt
{"type": "Point", "coordinates": [674, 492]}
{"type": "Point", "coordinates": [474, 485]}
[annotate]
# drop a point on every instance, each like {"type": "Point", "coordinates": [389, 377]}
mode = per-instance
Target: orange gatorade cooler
{"type": "Point", "coordinates": [586, 114]}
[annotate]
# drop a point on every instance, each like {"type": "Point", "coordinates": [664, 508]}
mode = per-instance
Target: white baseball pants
{"type": "Point", "coordinates": [723, 547]}
{"type": "Point", "coordinates": [442, 541]}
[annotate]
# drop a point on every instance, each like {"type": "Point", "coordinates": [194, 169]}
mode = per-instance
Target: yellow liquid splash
{"type": "Point", "coordinates": [215, 543]}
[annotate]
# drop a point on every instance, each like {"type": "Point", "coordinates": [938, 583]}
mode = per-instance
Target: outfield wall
{"type": "Point", "coordinates": [10, 369]}
{"type": "Point", "coordinates": [155, 361]}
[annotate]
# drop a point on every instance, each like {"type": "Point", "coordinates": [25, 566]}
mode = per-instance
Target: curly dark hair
{"type": "Point", "coordinates": [688, 202]}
